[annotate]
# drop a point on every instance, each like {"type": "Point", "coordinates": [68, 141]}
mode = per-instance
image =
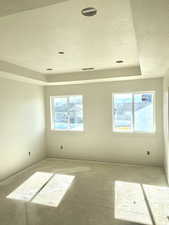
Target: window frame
{"type": "Point", "coordinates": [132, 131]}
{"type": "Point", "coordinates": [52, 113]}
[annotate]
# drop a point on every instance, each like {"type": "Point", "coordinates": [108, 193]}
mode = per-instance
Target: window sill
{"type": "Point", "coordinates": [54, 130]}
{"type": "Point", "coordinates": [131, 133]}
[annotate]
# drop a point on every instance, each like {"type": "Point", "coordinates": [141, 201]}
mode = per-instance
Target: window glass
{"type": "Point", "coordinates": [67, 113]}
{"type": "Point", "coordinates": [123, 112]}
{"type": "Point", "coordinates": [60, 113]}
{"type": "Point", "coordinates": [76, 113]}
{"type": "Point", "coordinates": [133, 112]}
{"type": "Point", "coordinates": [143, 112]}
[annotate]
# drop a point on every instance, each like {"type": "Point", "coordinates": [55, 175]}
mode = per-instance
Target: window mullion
{"type": "Point", "coordinates": [68, 114]}
{"type": "Point", "coordinates": [113, 112]}
{"type": "Point", "coordinates": [52, 102]}
{"type": "Point", "coordinates": [133, 116]}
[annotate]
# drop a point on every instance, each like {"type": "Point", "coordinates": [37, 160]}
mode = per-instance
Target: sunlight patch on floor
{"type": "Point", "coordinates": [27, 190]}
{"type": "Point", "coordinates": [158, 198]}
{"type": "Point", "coordinates": [53, 193]}
{"type": "Point", "coordinates": [130, 204]}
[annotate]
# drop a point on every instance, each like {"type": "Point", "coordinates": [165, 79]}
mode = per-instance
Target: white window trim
{"type": "Point", "coordinates": [52, 113]}
{"type": "Point", "coordinates": [132, 131]}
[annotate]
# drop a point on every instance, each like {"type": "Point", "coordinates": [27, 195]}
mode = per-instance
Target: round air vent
{"type": "Point", "coordinates": [90, 11]}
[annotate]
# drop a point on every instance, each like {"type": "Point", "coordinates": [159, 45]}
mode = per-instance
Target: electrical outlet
{"type": "Point", "coordinates": [148, 152]}
{"type": "Point", "coordinates": [61, 147]}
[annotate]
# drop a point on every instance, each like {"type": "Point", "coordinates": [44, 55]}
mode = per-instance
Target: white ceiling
{"type": "Point", "coordinates": [9, 7]}
{"type": "Point", "coordinates": [132, 30]}
{"type": "Point", "coordinates": [33, 38]}
{"type": "Point", "coordinates": [151, 21]}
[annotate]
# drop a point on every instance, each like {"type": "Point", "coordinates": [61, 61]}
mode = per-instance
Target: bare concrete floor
{"type": "Point", "coordinates": [89, 200]}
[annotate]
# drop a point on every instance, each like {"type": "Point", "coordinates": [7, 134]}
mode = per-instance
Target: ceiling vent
{"type": "Point", "coordinates": [90, 11]}
{"type": "Point", "coordinates": [119, 61]}
{"type": "Point", "coordinates": [49, 69]}
{"type": "Point", "coordinates": [61, 53]}
{"type": "Point", "coordinates": [88, 69]}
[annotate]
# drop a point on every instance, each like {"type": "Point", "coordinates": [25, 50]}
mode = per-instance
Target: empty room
{"type": "Point", "coordinates": [84, 112]}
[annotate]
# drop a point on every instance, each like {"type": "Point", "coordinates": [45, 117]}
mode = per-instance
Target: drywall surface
{"type": "Point", "coordinates": [166, 122]}
{"type": "Point", "coordinates": [22, 126]}
{"type": "Point", "coordinates": [98, 142]}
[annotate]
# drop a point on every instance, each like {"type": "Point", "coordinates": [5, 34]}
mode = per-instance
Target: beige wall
{"type": "Point", "coordinates": [166, 122]}
{"type": "Point", "coordinates": [22, 126]}
{"type": "Point", "coordinates": [98, 142]}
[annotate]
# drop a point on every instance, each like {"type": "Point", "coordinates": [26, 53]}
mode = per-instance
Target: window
{"type": "Point", "coordinates": [67, 113]}
{"type": "Point", "coordinates": [133, 112]}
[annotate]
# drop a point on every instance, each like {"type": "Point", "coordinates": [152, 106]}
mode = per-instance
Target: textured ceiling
{"type": "Point", "coordinates": [151, 22]}
{"type": "Point", "coordinates": [33, 32]}
{"type": "Point", "coordinates": [32, 39]}
{"type": "Point", "coordinates": [8, 7]}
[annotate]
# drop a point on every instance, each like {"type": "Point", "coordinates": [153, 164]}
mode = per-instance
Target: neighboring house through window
{"type": "Point", "coordinates": [67, 113]}
{"type": "Point", "coordinates": [134, 112]}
